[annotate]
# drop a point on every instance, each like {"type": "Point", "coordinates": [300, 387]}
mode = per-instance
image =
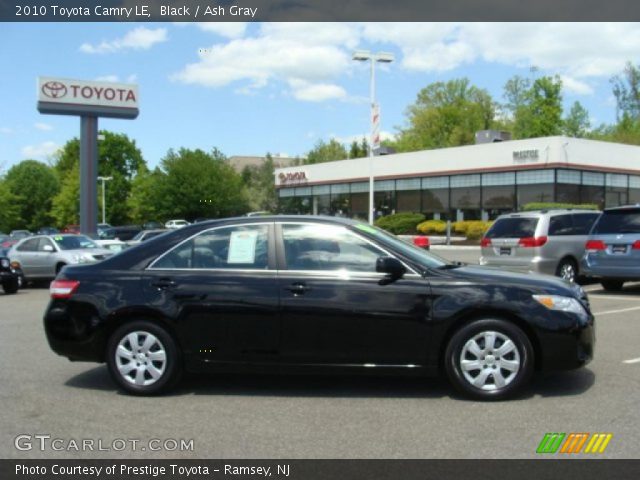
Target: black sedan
{"type": "Point", "coordinates": [312, 294]}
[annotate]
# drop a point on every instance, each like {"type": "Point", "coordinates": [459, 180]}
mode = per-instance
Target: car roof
{"type": "Point", "coordinates": [554, 211]}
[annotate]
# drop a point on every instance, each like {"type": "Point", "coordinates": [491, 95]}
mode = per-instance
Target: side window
{"type": "Point", "coordinates": [561, 225]}
{"type": "Point", "coordinates": [29, 246]}
{"type": "Point", "coordinates": [583, 222]}
{"type": "Point", "coordinates": [242, 247]}
{"type": "Point", "coordinates": [327, 247]}
{"type": "Point", "coordinates": [44, 241]}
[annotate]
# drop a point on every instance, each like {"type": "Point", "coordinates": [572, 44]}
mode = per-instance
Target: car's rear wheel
{"type": "Point", "coordinates": [143, 358]}
{"type": "Point", "coordinates": [612, 285]}
{"type": "Point", "coordinates": [489, 359]}
{"type": "Point", "coordinates": [567, 270]}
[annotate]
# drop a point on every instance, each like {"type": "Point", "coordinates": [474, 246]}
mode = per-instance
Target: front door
{"type": "Point", "coordinates": [336, 310]}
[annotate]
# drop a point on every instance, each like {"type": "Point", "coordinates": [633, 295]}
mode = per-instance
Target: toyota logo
{"type": "Point", "coordinates": [54, 89]}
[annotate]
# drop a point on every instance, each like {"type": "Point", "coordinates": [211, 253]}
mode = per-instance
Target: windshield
{"type": "Point", "coordinates": [74, 242]}
{"type": "Point", "coordinates": [618, 221]}
{"type": "Point", "coordinates": [410, 251]}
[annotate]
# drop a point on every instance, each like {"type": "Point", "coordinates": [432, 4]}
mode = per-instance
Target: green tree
{"type": "Point", "coordinates": [9, 209]}
{"type": "Point", "coordinates": [66, 204]}
{"type": "Point", "coordinates": [446, 114]}
{"type": "Point", "coordinates": [260, 185]}
{"type": "Point", "coordinates": [577, 123]}
{"type": "Point", "coordinates": [626, 89]}
{"type": "Point", "coordinates": [34, 184]}
{"type": "Point", "coordinates": [326, 152]}
{"type": "Point", "coordinates": [196, 184]}
{"type": "Point", "coordinates": [146, 196]}
{"type": "Point", "coordinates": [118, 157]}
{"type": "Point", "coordinates": [359, 149]}
{"type": "Point", "coordinates": [539, 113]}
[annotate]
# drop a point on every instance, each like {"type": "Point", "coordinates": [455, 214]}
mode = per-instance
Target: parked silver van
{"type": "Point", "coordinates": [546, 241]}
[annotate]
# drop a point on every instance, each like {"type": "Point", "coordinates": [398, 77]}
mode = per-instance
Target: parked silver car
{"type": "Point", "coordinates": [546, 241]}
{"type": "Point", "coordinates": [43, 256]}
{"type": "Point", "coordinates": [612, 251]}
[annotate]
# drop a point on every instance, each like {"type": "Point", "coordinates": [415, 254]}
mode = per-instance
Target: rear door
{"type": "Point", "coordinates": [27, 255]}
{"type": "Point", "coordinates": [336, 310]}
{"type": "Point", "coordinates": [220, 288]}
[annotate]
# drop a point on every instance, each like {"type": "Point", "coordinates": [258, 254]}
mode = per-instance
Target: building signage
{"type": "Point", "coordinates": [82, 97]}
{"type": "Point", "coordinates": [292, 178]}
{"type": "Point", "coordinates": [521, 156]}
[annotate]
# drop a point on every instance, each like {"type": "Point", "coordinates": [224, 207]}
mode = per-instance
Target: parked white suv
{"type": "Point", "coordinates": [175, 224]}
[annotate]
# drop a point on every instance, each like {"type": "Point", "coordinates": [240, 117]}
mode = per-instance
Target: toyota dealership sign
{"type": "Point", "coordinates": [81, 97]}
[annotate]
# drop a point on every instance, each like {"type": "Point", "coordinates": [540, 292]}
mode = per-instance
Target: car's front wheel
{"type": "Point", "coordinates": [489, 359]}
{"type": "Point", "coordinates": [143, 358]}
{"type": "Point", "coordinates": [10, 286]}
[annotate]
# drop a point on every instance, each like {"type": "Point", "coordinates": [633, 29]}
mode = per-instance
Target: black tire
{"type": "Point", "coordinates": [567, 269]}
{"type": "Point", "coordinates": [170, 373]}
{"type": "Point", "coordinates": [522, 352]}
{"type": "Point", "coordinates": [10, 286]}
{"type": "Point", "coordinates": [612, 285]}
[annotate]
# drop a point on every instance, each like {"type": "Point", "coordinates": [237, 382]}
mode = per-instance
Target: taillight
{"type": "Point", "coordinates": [485, 242]}
{"type": "Point", "coordinates": [532, 241]}
{"type": "Point", "coordinates": [636, 245]}
{"type": "Point", "coordinates": [421, 241]}
{"type": "Point", "coordinates": [595, 245]}
{"type": "Point", "coordinates": [63, 288]}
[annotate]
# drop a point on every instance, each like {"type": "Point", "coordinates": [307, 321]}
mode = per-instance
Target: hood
{"type": "Point", "coordinates": [543, 283]}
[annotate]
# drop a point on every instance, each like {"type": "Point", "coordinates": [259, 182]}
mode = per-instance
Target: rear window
{"type": "Point", "coordinates": [513, 227]}
{"type": "Point", "coordinates": [618, 221]}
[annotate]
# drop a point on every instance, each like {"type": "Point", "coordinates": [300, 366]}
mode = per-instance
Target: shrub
{"type": "Point", "coordinates": [400, 223]}
{"type": "Point", "coordinates": [471, 227]}
{"type": "Point", "coordinates": [551, 206]}
{"type": "Point", "coordinates": [437, 227]}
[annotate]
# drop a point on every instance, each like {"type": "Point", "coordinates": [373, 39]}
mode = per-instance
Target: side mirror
{"type": "Point", "coordinates": [47, 248]}
{"type": "Point", "coordinates": [392, 267]}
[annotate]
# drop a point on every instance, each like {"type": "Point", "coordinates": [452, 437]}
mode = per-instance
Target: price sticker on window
{"type": "Point", "coordinates": [242, 247]}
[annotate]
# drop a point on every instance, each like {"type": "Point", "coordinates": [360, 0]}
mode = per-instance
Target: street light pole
{"type": "Point", "coordinates": [103, 180]}
{"type": "Point", "coordinates": [382, 57]}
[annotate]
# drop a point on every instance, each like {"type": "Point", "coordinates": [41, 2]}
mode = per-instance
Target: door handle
{"type": "Point", "coordinates": [164, 283]}
{"type": "Point", "coordinates": [298, 288]}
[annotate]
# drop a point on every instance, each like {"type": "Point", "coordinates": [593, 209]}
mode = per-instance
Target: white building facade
{"type": "Point", "coordinates": [467, 183]}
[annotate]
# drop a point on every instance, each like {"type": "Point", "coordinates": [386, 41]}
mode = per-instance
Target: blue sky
{"type": "Point", "coordinates": [249, 89]}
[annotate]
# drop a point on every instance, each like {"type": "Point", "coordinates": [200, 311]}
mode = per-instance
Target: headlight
{"type": "Point", "coordinates": [5, 263]}
{"type": "Point", "coordinates": [562, 304]}
{"type": "Point", "coordinates": [83, 258]}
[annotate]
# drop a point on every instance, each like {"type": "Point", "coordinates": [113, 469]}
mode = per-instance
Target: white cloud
{"type": "Point", "coordinates": [45, 127]}
{"type": "Point", "coordinates": [40, 151]}
{"type": "Point", "coordinates": [572, 85]}
{"type": "Point", "coordinates": [140, 38]}
{"type": "Point", "coordinates": [306, 57]}
{"type": "Point", "coordinates": [224, 29]}
{"type": "Point", "coordinates": [6, 130]}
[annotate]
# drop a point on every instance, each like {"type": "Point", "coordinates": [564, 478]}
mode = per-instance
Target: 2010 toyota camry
{"type": "Point", "coordinates": [312, 294]}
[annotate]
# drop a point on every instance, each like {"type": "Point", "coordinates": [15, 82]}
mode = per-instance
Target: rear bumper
{"type": "Point", "coordinates": [601, 270]}
{"type": "Point", "coordinates": [532, 265]}
{"type": "Point", "coordinates": [8, 276]}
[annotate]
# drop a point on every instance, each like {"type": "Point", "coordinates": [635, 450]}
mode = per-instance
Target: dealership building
{"type": "Point", "coordinates": [474, 182]}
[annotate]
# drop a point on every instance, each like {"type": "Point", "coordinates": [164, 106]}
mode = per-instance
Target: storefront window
{"type": "Point", "coordinates": [634, 189]}
{"type": "Point", "coordinates": [408, 201]}
{"type": "Point", "coordinates": [436, 203]}
{"type": "Point", "coordinates": [360, 205]}
{"type": "Point", "coordinates": [615, 190]}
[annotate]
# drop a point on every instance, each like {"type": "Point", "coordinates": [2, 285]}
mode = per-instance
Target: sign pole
{"type": "Point", "coordinates": [88, 174]}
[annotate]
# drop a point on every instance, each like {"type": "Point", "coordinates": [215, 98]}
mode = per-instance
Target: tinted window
{"type": "Point", "coordinates": [513, 227]}
{"type": "Point", "coordinates": [583, 222]}
{"type": "Point", "coordinates": [74, 242]}
{"type": "Point", "coordinates": [29, 246]}
{"type": "Point", "coordinates": [327, 247]}
{"type": "Point", "coordinates": [618, 221]}
{"type": "Point", "coordinates": [45, 241]}
{"type": "Point", "coordinates": [561, 225]}
{"type": "Point", "coordinates": [244, 247]}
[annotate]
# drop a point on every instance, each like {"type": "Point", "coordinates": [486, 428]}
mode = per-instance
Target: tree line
{"type": "Point", "coordinates": [194, 183]}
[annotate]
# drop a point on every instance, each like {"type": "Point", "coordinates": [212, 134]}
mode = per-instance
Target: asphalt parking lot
{"type": "Point", "coordinates": [270, 416]}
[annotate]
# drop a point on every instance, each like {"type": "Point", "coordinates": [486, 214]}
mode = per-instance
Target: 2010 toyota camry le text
{"type": "Point", "coordinates": [312, 294]}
